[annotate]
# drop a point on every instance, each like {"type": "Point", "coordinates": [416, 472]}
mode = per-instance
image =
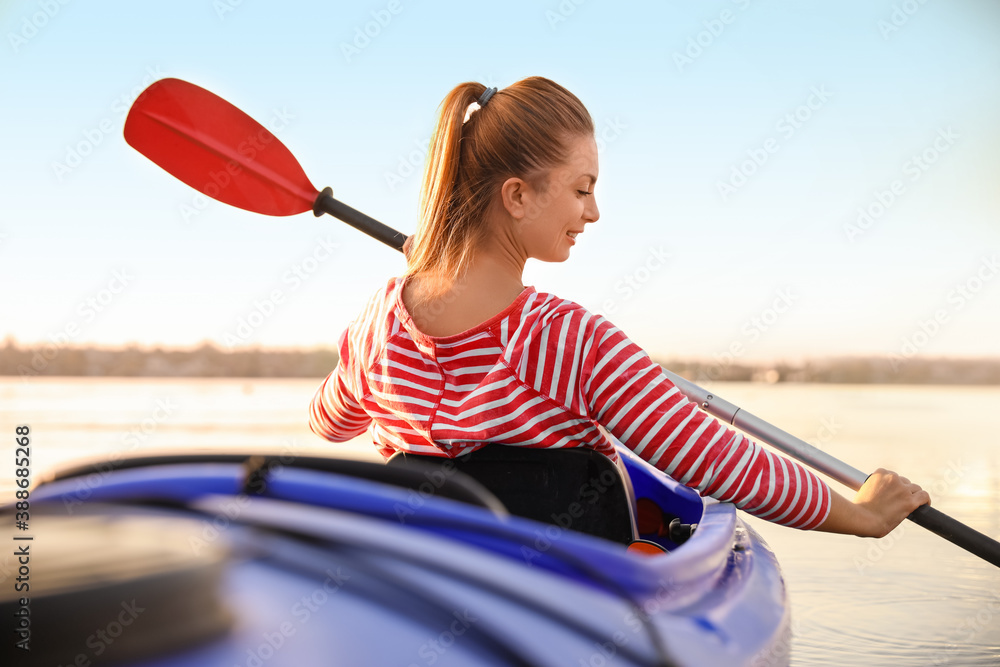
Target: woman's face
{"type": "Point", "coordinates": [557, 211]}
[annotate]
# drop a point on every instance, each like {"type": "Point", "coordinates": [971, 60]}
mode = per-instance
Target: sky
{"type": "Point", "coordinates": [778, 180]}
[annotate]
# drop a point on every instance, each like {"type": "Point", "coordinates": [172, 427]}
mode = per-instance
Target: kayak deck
{"type": "Point", "coordinates": [391, 562]}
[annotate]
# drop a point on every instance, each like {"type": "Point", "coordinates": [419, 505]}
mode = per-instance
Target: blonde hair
{"type": "Point", "coordinates": [522, 131]}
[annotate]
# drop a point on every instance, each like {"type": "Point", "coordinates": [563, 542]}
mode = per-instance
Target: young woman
{"type": "Point", "coordinates": [458, 352]}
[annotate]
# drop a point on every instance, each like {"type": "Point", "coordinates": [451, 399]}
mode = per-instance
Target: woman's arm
{"type": "Point", "coordinates": [335, 413]}
{"type": "Point", "coordinates": [880, 505]}
{"type": "Point", "coordinates": [626, 392]}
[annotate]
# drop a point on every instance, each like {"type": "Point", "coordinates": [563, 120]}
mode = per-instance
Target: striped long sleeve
{"type": "Point", "coordinates": [545, 373]}
{"type": "Point", "coordinates": [335, 414]}
{"type": "Point", "coordinates": [629, 393]}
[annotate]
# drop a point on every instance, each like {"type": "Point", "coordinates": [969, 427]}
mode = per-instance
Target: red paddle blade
{"type": "Point", "coordinates": [217, 149]}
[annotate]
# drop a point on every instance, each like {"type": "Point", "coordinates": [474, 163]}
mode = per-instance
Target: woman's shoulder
{"type": "Point", "coordinates": [379, 300]}
{"type": "Point", "coordinates": [549, 320]}
{"type": "Point", "coordinates": [377, 314]}
{"type": "Point", "coordinates": [548, 309]}
{"type": "Point", "coordinates": [531, 313]}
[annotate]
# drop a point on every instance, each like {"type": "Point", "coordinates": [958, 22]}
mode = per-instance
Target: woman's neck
{"type": "Point", "coordinates": [496, 265]}
{"type": "Point", "coordinates": [491, 283]}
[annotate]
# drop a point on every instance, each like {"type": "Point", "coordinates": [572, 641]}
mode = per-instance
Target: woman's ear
{"type": "Point", "coordinates": [514, 193]}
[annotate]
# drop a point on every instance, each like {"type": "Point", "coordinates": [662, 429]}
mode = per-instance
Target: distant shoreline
{"type": "Point", "coordinates": [847, 370]}
{"type": "Point", "coordinates": [203, 361]}
{"type": "Point", "coordinates": [210, 361]}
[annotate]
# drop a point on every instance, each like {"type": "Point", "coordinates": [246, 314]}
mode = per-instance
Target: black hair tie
{"type": "Point", "coordinates": [485, 97]}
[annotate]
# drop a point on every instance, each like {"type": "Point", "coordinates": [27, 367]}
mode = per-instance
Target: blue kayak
{"type": "Point", "coordinates": [254, 561]}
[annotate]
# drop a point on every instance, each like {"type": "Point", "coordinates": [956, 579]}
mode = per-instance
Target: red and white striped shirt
{"type": "Point", "coordinates": [544, 373]}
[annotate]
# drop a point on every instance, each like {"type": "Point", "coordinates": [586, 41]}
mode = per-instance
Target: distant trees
{"type": "Point", "coordinates": [204, 361]}
{"type": "Point", "coordinates": [208, 360]}
{"type": "Point", "coordinates": [847, 370]}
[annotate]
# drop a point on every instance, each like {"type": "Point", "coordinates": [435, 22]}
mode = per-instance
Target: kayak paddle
{"type": "Point", "coordinates": [225, 154]}
{"type": "Point", "coordinates": [930, 518]}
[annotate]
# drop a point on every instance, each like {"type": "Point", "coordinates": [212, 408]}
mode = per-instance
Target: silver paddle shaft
{"type": "Point", "coordinates": [770, 434]}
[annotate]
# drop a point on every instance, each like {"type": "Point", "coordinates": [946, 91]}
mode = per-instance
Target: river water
{"type": "Point", "coordinates": [910, 598]}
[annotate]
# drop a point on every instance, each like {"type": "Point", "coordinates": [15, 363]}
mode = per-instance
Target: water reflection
{"type": "Point", "coordinates": [909, 599]}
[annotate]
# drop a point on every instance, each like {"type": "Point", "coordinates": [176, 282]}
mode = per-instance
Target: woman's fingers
{"type": "Point", "coordinates": [890, 498]}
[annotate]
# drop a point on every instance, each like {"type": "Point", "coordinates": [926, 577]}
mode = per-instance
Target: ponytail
{"type": "Point", "coordinates": [522, 131]}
